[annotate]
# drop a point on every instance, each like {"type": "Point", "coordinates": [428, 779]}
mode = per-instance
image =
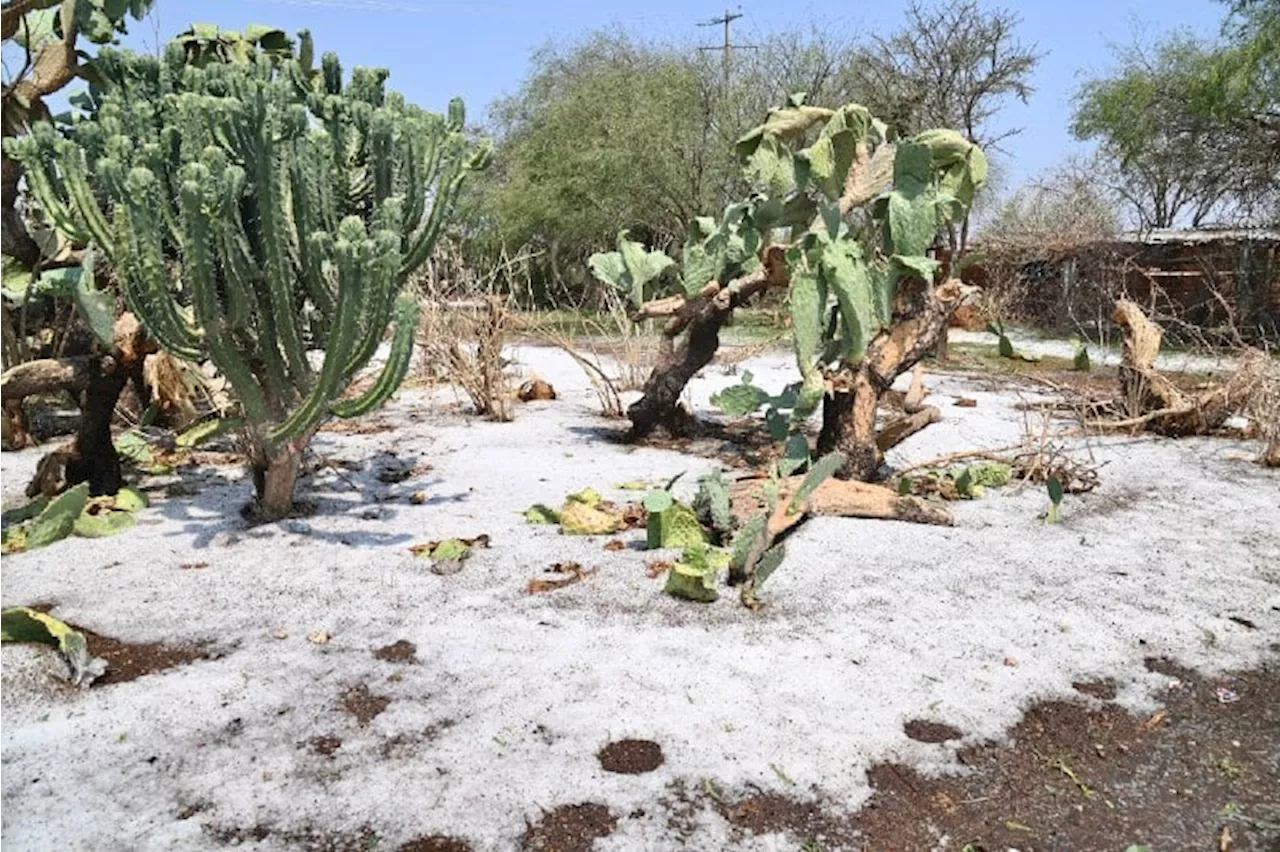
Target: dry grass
{"type": "Point", "coordinates": [461, 342]}
{"type": "Point", "coordinates": [1259, 381]}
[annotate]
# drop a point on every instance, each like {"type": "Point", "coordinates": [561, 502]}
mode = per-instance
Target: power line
{"type": "Point", "coordinates": [727, 20]}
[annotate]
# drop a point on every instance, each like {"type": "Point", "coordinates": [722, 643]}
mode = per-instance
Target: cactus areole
{"type": "Point", "coordinates": [261, 215]}
{"type": "Point", "coordinates": [843, 215]}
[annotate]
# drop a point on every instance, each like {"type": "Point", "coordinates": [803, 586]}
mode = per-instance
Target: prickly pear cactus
{"type": "Point", "coordinates": [852, 237]}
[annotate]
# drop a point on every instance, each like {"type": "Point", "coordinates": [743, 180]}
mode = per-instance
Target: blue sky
{"type": "Point", "coordinates": [481, 50]}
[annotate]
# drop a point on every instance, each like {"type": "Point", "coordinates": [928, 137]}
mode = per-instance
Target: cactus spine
{"type": "Point", "coordinates": [256, 211]}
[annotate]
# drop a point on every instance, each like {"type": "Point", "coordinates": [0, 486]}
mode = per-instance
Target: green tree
{"type": "Point", "coordinates": [1162, 155]}
{"type": "Point", "coordinates": [615, 132]}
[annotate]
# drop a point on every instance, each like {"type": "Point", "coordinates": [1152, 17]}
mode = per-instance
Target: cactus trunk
{"type": "Point", "coordinates": [275, 478]}
{"type": "Point", "coordinates": [659, 405]}
{"type": "Point", "coordinates": [93, 457]}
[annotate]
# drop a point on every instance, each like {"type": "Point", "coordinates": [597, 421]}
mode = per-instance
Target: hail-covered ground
{"type": "Point", "coordinates": [510, 695]}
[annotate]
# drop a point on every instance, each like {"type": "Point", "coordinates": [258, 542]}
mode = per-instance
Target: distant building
{"type": "Point", "coordinates": [1199, 283]}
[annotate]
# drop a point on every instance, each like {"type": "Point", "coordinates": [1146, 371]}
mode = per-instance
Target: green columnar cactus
{"type": "Point", "coordinates": [255, 212]}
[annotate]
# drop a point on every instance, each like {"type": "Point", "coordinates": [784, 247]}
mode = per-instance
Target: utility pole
{"type": "Point", "coordinates": [728, 46]}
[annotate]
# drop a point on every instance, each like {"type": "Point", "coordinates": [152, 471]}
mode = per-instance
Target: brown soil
{"type": "Point", "coordinates": [924, 731]}
{"type": "Point", "coordinates": [570, 828]}
{"type": "Point", "coordinates": [1079, 779]}
{"type": "Point", "coordinates": [631, 757]}
{"type": "Point", "coordinates": [362, 704]}
{"type": "Point", "coordinates": [400, 651]}
{"type": "Point", "coordinates": [1104, 690]}
{"type": "Point", "coordinates": [403, 745]}
{"type": "Point", "coordinates": [126, 662]}
{"type": "Point", "coordinates": [768, 813]}
{"type": "Point", "coordinates": [326, 745]}
{"type": "Point", "coordinates": [434, 843]}
{"type": "Point", "coordinates": [305, 840]}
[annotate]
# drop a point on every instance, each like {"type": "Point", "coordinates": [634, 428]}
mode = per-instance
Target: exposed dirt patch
{"type": "Point", "coordinates": [326, 745]}
{"type": "Point", "coordinates": [364, 705]}
{"type": "Point", "coordinates": [129, 661]}
{"type": "Point", "coordinates": [1102, 779]}
{"type": "Point", "coordinates": [126, 662]}
{"type": "Point", "coordinates": [809, 822]}
{"type": "Point", "coordinates": [306, 840]}
{"type": "Point", "coordinates": [924, 731]}
{"type": "Point", "coordinates": [570, 828]}
{"type": "Point", "coordinates": [631, 757]}
{"type": "Point", "coordinates": [402, 745]}
{"type": "Point", "coordinates": [1104, 690]}
{"type": "Point", "coordinates": [435, 843]}
{"type": "Point", "coordinates": [400, 651]}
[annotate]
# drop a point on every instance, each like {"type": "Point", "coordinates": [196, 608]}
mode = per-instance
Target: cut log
{"type": "Point", "coordinates": [1271, 455]}
{"type": "Point", "coordinates": [47, 375]}
{"type": "Point", "coordinates": [839, 498]}
{"type": "Point", "coordinates": [896, 431]}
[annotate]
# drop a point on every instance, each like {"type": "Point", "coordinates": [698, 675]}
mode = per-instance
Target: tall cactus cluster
{"type": "Point", "coordinates": [255, 212]}
{"type": "Point", "coordinates": [841, 212]}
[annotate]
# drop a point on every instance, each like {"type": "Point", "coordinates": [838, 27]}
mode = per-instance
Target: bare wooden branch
{"type": "Point", "coordinates": [897, 431]}
{"type": "Point", "coordinates": [47, 375]}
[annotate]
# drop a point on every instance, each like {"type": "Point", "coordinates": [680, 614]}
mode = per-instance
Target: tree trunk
{"type": "Point", "coordinates": [16, 436]}
{"type": "Point", "coordinates": [93, 457]}
{"type": "Point", "coordinates": [676, 366]}
{"type": "Point", "coordinates": [702, 315]}
{"type": "Point", "coordinates": [274, 479]}
{"type": "Point", "coordinates": [1271, 455]}
{"type": "Point", "coordinates": [849, 412]}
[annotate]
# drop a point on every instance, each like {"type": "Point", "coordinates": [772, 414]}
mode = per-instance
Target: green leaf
{"type": "Point", "coordinates": [58, 518]}
{"type": "Point", "coordinates": [540, 513]}
{"type": "Point", "coordinates": [588, 496]}
{"type": "Point", "coordinates": [739, 400]}
{"type": "Point", "coordinates": [451, 548]}
{"type": "Point", "coordinates": [24, 513]}
{"type": "Point", "coordinates": [629, 269]}
{"type": "Point", "coordinates": [912, 222]}
{"type": "Point", "coordinates": [795, 455]}
{"type": "Point", "coordinates": [130, 499]}
{"type": "Point", "coordinates": [769, 562]}
{"type": "Point", "coordinates": [675, 526]}
{"type": "Point", "coordinates": [579, 518]}
{"type": "Point", "coordinates": [206, 431]}
{"type": "Point", "coordinates": [98, 307]}
{"type": "Point", "coordinates": [819, 472]}
{"type": "Point", "coordinates": [694, 576]}
{"type": "Point", "coordinates": [1056, 490]}
{"type": "Point", "coordinates": [658, 501]}
{"type": "Point", "coordinates": [23, 624]}
{"type": "Point", "coordinates": [846, 273]}
{"type": "Point", "coordinates": [132, 446]}
{"type": "Point", "coordinates": [103, 523]}
{"type": "Point", "coordinates": [16, 278]}
{"type": "Point", "coordinates": [36, 28]}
